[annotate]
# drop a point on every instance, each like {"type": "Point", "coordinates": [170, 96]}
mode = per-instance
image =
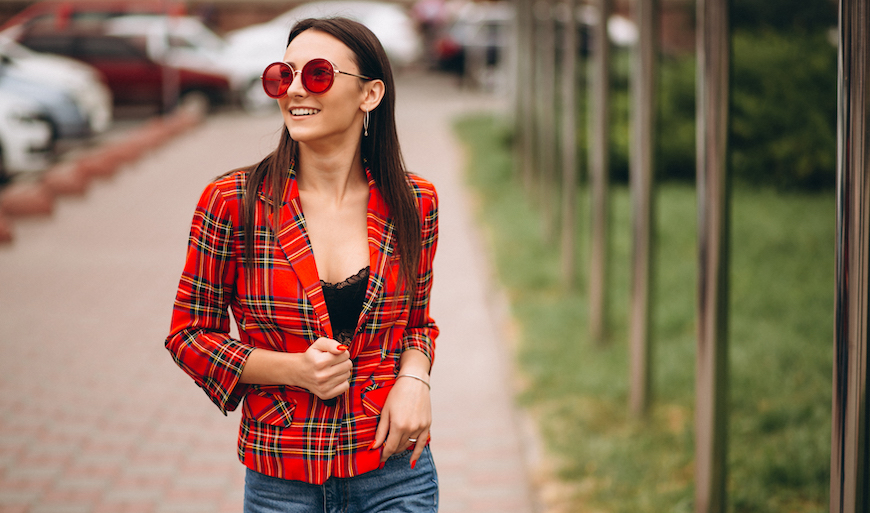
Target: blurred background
{"type": "Point", "coordinates": [110, 61]}
{"type": "Point", "coordinates": [76, 75]}
{"type": "Point", "coordinates": [73, 71]}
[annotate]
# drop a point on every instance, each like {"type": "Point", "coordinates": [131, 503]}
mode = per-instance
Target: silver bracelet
{"type": "Point", "coordinates": [418, 378]}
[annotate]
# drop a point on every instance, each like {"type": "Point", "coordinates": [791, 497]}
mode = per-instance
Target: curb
{"type": "Point", "coordinates": [36, 198]}
{"type": "Point", "coordinates": [65, 179]}
{"type": "Point", "coordinates": [26, 199]}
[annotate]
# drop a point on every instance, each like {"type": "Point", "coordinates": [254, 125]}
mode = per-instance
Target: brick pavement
{"type": "Point", "coordinates": [95, 417]}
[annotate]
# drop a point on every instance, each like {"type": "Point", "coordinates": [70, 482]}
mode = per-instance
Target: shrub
{"type": "Point", "coordinates": [783, 117]}
{"type": "Point", "coordinates": [784, 96]}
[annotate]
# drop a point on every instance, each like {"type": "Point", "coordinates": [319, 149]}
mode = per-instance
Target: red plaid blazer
{"type": "Point", "coordinates": [285, 431]}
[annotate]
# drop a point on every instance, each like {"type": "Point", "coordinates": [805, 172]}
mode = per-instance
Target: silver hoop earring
{"type": "Point", "coordinates": [366, 124]}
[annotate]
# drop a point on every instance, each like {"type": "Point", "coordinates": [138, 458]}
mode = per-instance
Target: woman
{"type": "Point", "coordinates": [323, 251]}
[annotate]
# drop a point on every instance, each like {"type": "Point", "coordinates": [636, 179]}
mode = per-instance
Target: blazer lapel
{"type": "Point", "coordinates": [381, 237]}
{"type": "Point", "coordinates": [293, 239]}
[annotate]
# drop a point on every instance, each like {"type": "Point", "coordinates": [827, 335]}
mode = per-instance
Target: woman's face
{"type": "Point", "coordinates": [334, 117]}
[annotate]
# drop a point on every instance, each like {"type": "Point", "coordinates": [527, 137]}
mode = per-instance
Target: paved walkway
{"type": "Point", "coordinates": [95, 416]}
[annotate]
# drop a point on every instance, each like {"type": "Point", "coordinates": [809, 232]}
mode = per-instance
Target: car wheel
{"type": "Point", "coordinates": [255, 101]}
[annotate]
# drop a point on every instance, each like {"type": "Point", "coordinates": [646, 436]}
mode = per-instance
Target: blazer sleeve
{"type": "Point", "coordinates": [199, 339]}
{"type": "Point", "coordinates": [422, 330]}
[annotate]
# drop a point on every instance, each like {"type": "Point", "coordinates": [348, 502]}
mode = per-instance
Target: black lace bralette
{"type": "Point", "coordinates": [344, 301]}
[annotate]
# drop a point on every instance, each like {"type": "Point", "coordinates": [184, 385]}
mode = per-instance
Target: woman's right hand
{"type": "Point", "coordinates": [324, 369]}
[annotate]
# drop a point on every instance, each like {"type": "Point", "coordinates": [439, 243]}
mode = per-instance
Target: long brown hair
{"type": "Point", "coordinates": [380, 150]}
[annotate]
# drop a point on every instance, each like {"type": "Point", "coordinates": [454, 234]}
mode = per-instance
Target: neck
{"type": "Point", "coordinates": [330, 175]}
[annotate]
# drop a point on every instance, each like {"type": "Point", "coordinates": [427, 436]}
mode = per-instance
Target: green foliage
{"type": "Point", "coordinates": [800, 16]}
{"type": "Point", "coordinates": [675, 159]}
{"type": "Point", "coordinates": [784, 97]}
{"type": "Point", "coordinates": [783, 116]}
{"type": "Point", "coordinates": [676, 136]}
{"type": "Point", "coordinates": [620, 115]}
{"type": "Point", "coordinates": [780, 343]}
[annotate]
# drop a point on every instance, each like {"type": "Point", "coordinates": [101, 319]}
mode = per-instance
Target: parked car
{"type": "Point", "coordinates": [185, 42]}
{"type": "Point", "coordinates": [25, 135]}
{"type": "Point", "coordinates": [65, 14]}
{"type": "Point", "coordinates": [84, 83]}
{"type": "Point", "coordinates": [133, 75]}
{"type": "Point", "coordinates": [62, 111]}
{"type": "Point", "coordinates": [261, 44]}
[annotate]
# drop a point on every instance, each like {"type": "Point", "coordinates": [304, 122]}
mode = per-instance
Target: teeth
{"type": "Point", "coordinates": [303, 112]}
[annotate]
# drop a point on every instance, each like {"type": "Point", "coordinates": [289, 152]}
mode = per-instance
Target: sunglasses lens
{"type": "Point", "coordinates": [317, 76]}
{"type": "Point", "coordinates": [276, 79]}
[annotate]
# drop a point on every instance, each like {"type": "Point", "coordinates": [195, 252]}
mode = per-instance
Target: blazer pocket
{"type": "Point", "coordinates": [373, 400]}
{"type": "Point", "coordinates": [267, 408]}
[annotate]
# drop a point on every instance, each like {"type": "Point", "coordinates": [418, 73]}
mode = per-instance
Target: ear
{"type": "Point", "coordinates": [373, 93]}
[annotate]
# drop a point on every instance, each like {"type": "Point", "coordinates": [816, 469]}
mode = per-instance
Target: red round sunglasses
{"type": "Point", "coordinates": [317, 77]}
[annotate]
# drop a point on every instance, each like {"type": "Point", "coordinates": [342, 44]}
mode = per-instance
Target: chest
{"type": "Point", "coordinates": [285, 306]}
{"type": "Point", "coordinates": [338, 236]}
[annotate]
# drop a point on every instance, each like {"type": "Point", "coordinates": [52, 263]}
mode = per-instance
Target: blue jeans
{"type": "Point", "coordinates": [396, 488]}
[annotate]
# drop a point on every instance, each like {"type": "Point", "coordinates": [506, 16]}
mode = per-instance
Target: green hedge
{"type": "Point", "coordinates": [783, 115]}
{"type": "Point", "coordinates": [784, 119]}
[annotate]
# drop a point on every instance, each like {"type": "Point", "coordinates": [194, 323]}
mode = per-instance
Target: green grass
{"type": "Point", "coordinates": [781, 322]}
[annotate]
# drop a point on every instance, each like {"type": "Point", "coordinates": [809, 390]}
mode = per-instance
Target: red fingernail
{"type": "Point", "coordinates": [382, 465]}
{"type": "Point", "coordinates": [372, 445]}
{"type": "Point", "coordinates": [413, 463]}
{"type": "Point", "coordinates": [342, 347]}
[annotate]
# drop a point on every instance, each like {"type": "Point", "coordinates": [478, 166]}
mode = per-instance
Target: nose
{"type": "Point", "coordinates": [295, 87]}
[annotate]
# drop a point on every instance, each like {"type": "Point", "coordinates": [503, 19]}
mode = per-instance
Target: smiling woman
{"type": "Point", "coordinates": [323, 251]}
{"type": "Point", "coordinates": [303, 99]}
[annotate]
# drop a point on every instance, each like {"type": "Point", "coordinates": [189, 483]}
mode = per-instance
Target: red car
{"type": "Point", "coordinates": [76, 29]}
{"type": "Point", "coordinates": [63, 14]}
{"type": "Point", "coordinates": [132, 75]}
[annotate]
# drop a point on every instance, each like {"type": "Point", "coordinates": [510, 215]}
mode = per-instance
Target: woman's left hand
{"type": "Point", "coordinates": [405, 418]}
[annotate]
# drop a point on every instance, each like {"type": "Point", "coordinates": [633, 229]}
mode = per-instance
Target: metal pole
{"type": "Point", "coordinates": [511, 69]}
{"type": "Point", "coordinates": [546, 96]}
{"type": "Point", "coordinates": [537, 89]}
{"type": "Point", "coordinates": [599, 131]}
{"type": "Point", "coordinates": [515, 71]}
{"type": "Point", "coordinates": [711, 397]}
{"type": "Point", "coordinates": [849, 445]}
{"type": "Point", "coordinates": [642, 176]}
{"type": "Point", "coordinates": [569, 142]}
{"type": "Point", "coordinates": [525, 121]}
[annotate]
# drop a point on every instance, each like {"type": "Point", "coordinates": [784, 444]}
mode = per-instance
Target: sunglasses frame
{"type": "Point", "coordinates": [301, 72]}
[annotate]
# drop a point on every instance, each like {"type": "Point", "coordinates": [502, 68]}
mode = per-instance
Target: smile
{"type": "Point", "coordinates": [303, 112]}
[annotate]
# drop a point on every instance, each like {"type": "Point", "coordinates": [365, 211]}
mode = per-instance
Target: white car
{"type": "Point", "coordinates": [77, 79]}
{"type": "Point", "coordinates": [25, 135]}
{"type": "Point", "coordinates": [264, 43]}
